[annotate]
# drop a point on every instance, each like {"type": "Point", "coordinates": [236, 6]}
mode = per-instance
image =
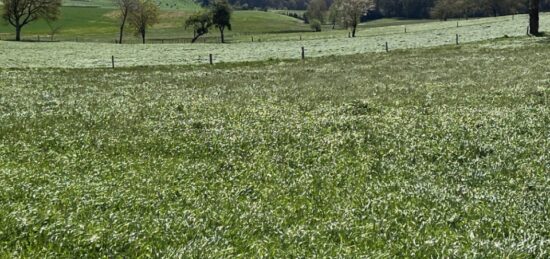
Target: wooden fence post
{"type": "Point", "coordinates": [211, 59]}
{"type": "Point", "coordinates": [457, 39]}
{"type": "Point", "coordinates": [303, 53]}
{"type": "Point", "coordinates": [387, 48]}
{"type": "Point", "coordinates": [113, 61]}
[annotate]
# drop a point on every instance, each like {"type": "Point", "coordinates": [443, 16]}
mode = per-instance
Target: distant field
{"type": "Point", "coordinates": [94, 21]}
{"type": "Point", "coordinates": [272, 46]}
{"type": "Point", "coordinates": [394, 22]}
{"type": "Point", "coordinates": [99, 24]}
{"type": "Point", "coordinates": [420, 153]}
{"type": "Point", "coordinates": [164, 4]}
{"type": "Point", "coordinates": [74, 21]}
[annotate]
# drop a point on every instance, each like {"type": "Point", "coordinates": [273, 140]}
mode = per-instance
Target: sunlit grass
{"type": "Point", "coordinates": [439, 152]}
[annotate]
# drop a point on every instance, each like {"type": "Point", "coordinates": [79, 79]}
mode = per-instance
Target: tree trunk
{"type": "Point", "coordinates": [122, 28]}
{"type": "Point", "coordinates": [534, 6]}
{"type": "Point", "coordinates": [195, 37]}
{"type": "Point", "coordinates": [143, 36]}
{"type": "Point", "coordinates": [353, 31]}
{"type": "Point", "coordinates": [18, 33]}
{"type": "Point", "coordinates": [222, 38]}
{"type": "Point", "coordinates": [121, 33]}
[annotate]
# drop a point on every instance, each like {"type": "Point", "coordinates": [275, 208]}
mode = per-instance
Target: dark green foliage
{"type": "Point", "coordinates": [315, 25]}
{"type": "Point", "coordinates": [19, 13]}
{"type": "Point", "coordinates": [221, 16]}
{"type": "Point", "coordinates": [200, 22]}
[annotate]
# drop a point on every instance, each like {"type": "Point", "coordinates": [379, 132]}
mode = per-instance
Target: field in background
{"type": "Point", "coordinates": [437, 152]}
{"type": "Point", "coordinates": [95, 21]}
{"type": "Point", "coordinates": [272, 46]}
{"type": "Point", "coordinates": [164, 4]}
{"type": "Point", "coordinates": [94, 24]}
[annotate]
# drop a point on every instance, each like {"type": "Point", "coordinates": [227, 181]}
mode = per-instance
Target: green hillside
{"type": "Point", "coordinates": [99, 24]}
{"type": "Point", "coordinates": [164, 4]}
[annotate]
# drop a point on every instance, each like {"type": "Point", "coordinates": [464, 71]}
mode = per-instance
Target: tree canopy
{"type": "Point", "coordinates": [143, 16]}
{"type": "Point", "coordinates": [19, 13]}
{"type": "Point", "coordinates": [221, 16]}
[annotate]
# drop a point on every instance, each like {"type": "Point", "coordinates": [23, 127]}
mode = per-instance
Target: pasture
{"type": "Point", "coordinates": [274, 46]}
{"type": "Point", "coordinates": [429, 150]}
{"type": "Point", "coordinates": [94, 24]}
{"type": "Point", "coordinates": [164, 4]}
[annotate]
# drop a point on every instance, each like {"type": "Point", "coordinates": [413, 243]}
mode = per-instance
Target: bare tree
{"type": "Point", "coordinates": [534, 9]}
{"type": "Point", "coordinates": [316, 10]}
{"type": "Point", "coordinates": [54, 29]}
{"type": "Point", "coordinates": [144, 16]}
{"type": "Point", "coordinates": [19, 13]}
{"type": "Point", "coordinates": [125, 7]}
{"type": "Point", "coordinates": [350, 12]}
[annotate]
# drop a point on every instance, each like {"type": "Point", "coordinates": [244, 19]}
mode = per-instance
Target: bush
{"type": "Point", "coordinates": [315, 25]}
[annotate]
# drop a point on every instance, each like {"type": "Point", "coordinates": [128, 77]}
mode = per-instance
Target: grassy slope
{"type": "Point", "coordinates": [75, 21]}
{"type": "Point", "coordinates": [164, 4]}
{"type": "Point", "coordinates": [94, 23]}
{"type": "Point", "coordinates": [423, 153]}
{"type": "Point", "coordinates": [93, 20]}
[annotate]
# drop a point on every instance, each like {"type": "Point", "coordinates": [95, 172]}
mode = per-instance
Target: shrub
{"type": "Point", "coordinates": [315, 25]}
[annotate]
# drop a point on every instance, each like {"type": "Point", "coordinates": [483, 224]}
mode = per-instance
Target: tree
{"type": "Point", "coordinates": [54, 29]}
{"type": "Point", "coordinates": [333, 15]}
{"type": "Point", "coordinates": [498, 7]}
{"type": "Point", "coordinates": [350, 12]}
{"type": "Point", "coordinates": [19, 13]}
{"type": "Point", "coordinates": [316, 10]}
{"type": "Point", "coordinates": [534, 9]}
{"type": "Point", "coordinates": [143, 16]}
{"type": "Point", "coordinates": [125, 7]}
{"type": "Point", "coordinates": [445, 9]}
{"type": "Point", "coordinates": [221, 16]}
{"type": "Point", "coordinates": [315, 25]}
{"type": "Point", "coordinates": [200, 22]}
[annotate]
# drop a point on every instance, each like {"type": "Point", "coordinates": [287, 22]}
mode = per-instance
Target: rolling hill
{"type": "Point", "coordinates": [164, 4]}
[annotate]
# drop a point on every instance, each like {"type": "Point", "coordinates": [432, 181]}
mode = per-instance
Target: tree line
{"type": "Point", "coordinates": [407, 8]}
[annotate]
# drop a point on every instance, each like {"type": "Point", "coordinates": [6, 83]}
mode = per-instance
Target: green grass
{"type": "Point", "coordinates": [394, 22]}
{"type": "Point", "coordinates": [415, 153]}
{"type": "Point", "coordinates": [164, 4]}
{"type": "Point", "coordinates": [98, 24]}
{"type": "Point", "coordinates": [74, 21]}
{"type": "Point", "coordinates": [255, 22]}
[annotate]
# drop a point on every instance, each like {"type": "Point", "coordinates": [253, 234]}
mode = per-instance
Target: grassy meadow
{"type": "Point", "coordinates": [429, 150]}
{"type": "Point", "coordinates": [96, 24]}
{"type": "Point", "coordinates": [426, 152]}
{"type": "Point", "coordinates": [273, 46]}
{"type": "Point", "coordinates": [163, 4]}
